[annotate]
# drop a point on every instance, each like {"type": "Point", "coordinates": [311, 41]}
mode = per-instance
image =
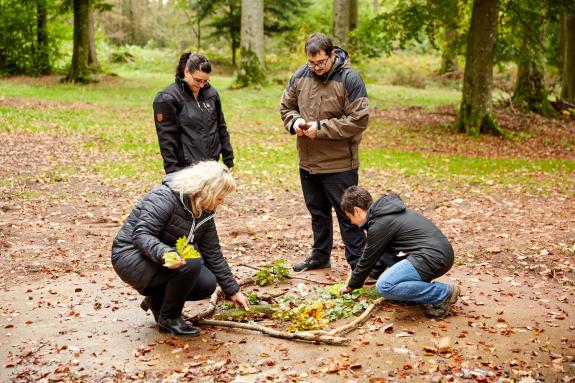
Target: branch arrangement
{"type": "Point", "coordinates": [320, 336]}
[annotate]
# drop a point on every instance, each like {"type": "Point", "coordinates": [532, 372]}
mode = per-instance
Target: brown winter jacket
{"type": "Point", "coordinates": [339, 103]}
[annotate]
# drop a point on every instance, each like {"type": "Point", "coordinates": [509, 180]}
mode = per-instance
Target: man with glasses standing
{"type": "Point", "coordinates": [189, 119]}
{"type": "Point", "coordinates": [325, 106]}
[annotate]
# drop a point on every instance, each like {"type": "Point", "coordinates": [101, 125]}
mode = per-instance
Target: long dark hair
{"type": "Point", "coordinates": [194, 62]}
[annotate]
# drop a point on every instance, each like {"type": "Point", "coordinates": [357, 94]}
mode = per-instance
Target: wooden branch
{"type": "Point", "coordinates": [310, 336]}
{"type": "Point", "coordinates": [357, 321]}
{"type": "Point", "coordinates": [255, 311]}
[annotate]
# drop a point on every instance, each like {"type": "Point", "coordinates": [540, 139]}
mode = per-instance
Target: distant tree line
{"type": "Point", "coordinates": [534, 34]}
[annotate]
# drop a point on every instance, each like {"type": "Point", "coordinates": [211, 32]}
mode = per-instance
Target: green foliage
{"type": "Point", "coordinates": [20, 50]}
{"type": "Point", "coordinates": [305, 317]}
{"type": "Point", "coordinates": [186, 250]}
{"type": "Point", "coordinates": [253, 298]}
{"type": "Point", "coordinates": [408, 21]}
{"type": "Point", "coordinates": [330, 306]}
{"type": "Point", "coordinates": [275, 273]}
{"type": "Point", "coordinates": [251, 72]}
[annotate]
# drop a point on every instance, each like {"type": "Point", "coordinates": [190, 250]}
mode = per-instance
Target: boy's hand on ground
{"type": "Point", "coordinates": [345, 290]}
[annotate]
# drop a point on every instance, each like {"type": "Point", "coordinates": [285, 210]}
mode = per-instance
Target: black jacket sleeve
{"type": "Point", "coordinates": [227, 151]}
{"type": "Point", "coordinates": [379, 235]}
{"type": "Point", "coordinates": [154, 213]}
{"type": "Point", "coordinates": [209, 247]}
{"type": "Point", "coordinates": [168, 130]}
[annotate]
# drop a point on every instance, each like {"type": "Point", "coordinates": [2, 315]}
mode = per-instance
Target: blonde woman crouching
{"type": "Point", "coordinates": [144, 254]}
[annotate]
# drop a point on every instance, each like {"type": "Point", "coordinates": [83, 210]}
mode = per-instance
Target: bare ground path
{"type": "Point", "coordinates": [67, 317]}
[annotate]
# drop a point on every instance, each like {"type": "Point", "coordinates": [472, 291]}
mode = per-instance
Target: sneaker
{"type": "Point", "coordinates": [444, 309]}
{"type": "Point", "coordinates": [310, 264]}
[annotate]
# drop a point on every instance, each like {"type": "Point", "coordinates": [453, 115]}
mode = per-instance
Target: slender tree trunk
{"type": "Point", "coordinates": [562, 38]}
{"type": "Point", "coordinates": [252, 44]}
{"type": "Point", "coordinates": [79, 71]}
{"type": "Point", "coordinates": [375, 7]}
{"type": "Point", "coordinates": [199, 34]}
{"type": "Point", "coordinates": [530, 89]}
{"type": "Point", "coordinates": [475, 110]}
{"type": "Point", "coordinates": [43, 56]}
{"type": "Point", "coordinates": [353, 14]}
{"type": "Point", "coordinates": [341, 18]}
{"type": "Point", "coordinates": [92, 53]}
{"type": "Point", "coordinates": [568, 82]}
{"type": "Point", "coordinates": [449, 53]}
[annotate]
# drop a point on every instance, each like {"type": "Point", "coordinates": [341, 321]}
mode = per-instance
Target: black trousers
{"type": "Point", "coordinates": [171, 288]}
{"type": "Point", "coordinates": [322, 193]}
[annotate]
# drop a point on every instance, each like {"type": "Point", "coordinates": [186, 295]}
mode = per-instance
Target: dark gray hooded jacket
{"type": "Point", "coordinates": [393, 228]}
{"type": "Point", "coordinates": [152, 229]}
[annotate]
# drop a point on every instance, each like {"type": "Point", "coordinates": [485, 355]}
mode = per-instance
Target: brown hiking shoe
{"type": "Point", "coordinates": [444, 309]}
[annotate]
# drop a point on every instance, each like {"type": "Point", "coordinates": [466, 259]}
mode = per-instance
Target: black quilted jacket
{"type": "Point", "coordinates": [152, 229]}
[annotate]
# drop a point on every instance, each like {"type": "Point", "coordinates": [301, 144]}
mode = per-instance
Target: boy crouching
{"type": "Point", "coordinates": [404, 252]}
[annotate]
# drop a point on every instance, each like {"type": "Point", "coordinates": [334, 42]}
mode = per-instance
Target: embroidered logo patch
{"type": "Point", "coordinates": [160, 117]}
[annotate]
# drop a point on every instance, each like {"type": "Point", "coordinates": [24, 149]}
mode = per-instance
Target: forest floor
{"type": "Point", "coordinates": [66, 316]}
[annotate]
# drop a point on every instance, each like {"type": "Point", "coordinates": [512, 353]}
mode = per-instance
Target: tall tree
{"type": "Point", "coordinates": [79, 70]}
{"type": "Point", "coordinates": [93, 62]}
{"type": "Point", "coordinates": [341, 20]}
{"type": "Point", "coordinates": [475, 110]}
{"type": "Point", "coordinates": [530, 89]}
{"type": "Point", "coordinates": [42, 36]}
{"type": "Point", "coordinates": [252, 44]}
{"type": "Point", "coordinates": [568, 56]}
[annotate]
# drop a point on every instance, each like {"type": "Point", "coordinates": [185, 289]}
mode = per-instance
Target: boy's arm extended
{"type": "Point", "coordinates": [378, 237]}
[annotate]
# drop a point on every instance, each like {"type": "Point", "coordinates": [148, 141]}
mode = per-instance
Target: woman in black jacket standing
{"type": "Point", "coordinates": [143, 252]}
{"type": "Point", "coordinates": [189, 120]}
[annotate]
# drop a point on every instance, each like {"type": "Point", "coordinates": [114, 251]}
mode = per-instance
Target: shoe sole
{"type": "Point", "coordinates": [313, 268]}
{"type": "Point", "coordinates": [167, 330]}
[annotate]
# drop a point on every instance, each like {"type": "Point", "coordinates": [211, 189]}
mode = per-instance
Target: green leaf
{"type": "Point", "coordinates": [186, 250]}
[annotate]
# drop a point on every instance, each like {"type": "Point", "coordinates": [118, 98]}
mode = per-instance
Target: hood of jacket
{"type": "Point", "coordinates": [341, 61]}
{"type": "Point", "coordinates": [388, 204]}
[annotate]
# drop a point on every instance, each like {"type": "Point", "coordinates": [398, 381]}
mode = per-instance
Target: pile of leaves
{"type": "Point", "coordinates": [328, 307]}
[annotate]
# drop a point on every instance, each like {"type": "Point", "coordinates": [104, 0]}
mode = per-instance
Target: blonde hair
{"type": "Point", "coordinates": [203, 182]}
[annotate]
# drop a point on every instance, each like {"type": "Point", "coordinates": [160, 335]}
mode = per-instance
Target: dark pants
{"type": "Point", "coordinates": [322, 193]}
{"type": "Point", "coordinates": [171, 288]}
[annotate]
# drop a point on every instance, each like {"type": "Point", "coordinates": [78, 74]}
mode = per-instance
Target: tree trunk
{"type": "Point", "coordinates": [353, 14]}
{"type": "Point", "coordinates": [449, 53]}
{"type": "Point", "coordinates": [375, 7]}
{"type": "Point", "coordinates": [79, 71]}
{"type": "Point", "coordinates": [341, 19]}
{"type": "Point", "coordinates": [43, 56]}
{"type": "Point", "coordinates": [568, 78]}
{"type": "Point", "coordinates": [252, 44]}
{"type": "Point", "coordinates": [530, 90]}
{"type": "Point", "coordinates": [475, 110]}
{"type": "Point", "coordinates": [92, 53]}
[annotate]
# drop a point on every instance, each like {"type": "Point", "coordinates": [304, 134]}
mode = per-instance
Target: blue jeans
{"type": "Point", "coordinates": [401, 282]}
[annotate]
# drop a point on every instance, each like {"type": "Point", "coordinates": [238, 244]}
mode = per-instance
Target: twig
{"type": "Point", "coordinates": [357, 321]}
{"type": "Point", "coordinates": [311, 336]}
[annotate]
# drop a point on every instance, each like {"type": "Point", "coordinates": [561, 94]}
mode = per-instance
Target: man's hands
{"type": "Point", "coordinates": [345, 290]}
{"type": "Point", "coordinates": [240, 299]}
{"type": "Point", "coordinates": [308, 129]}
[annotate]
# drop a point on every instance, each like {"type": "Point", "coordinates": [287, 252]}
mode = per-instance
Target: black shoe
{"type": "Point", "coordinates": [311, 264]}
{"type": "Point", "coordinates": [444, 309]}
{"type": "Point", "coordinates": [147, 305]}
{"type": "Point", "coordinates": [178, 326]}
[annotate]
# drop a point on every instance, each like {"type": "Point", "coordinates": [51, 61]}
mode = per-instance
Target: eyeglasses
{"type": "Point", "coordinates": [199, 81]}
{"type": "Point", "coordinates": [320, 64]}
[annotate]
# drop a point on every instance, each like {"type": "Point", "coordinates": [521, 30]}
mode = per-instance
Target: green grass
{"type": "Point", "coordinates": [115, 117]}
